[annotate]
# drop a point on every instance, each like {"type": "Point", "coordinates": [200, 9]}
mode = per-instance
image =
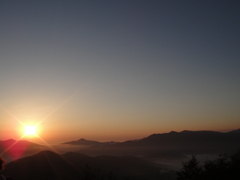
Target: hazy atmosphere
{"type": "Point", "coordinates": [118, 70]}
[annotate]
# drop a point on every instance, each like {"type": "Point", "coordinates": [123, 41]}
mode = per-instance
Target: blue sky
{"type": "Point", "coordinates": [119, 69]}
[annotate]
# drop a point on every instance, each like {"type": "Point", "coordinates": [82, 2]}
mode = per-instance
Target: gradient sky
{"type": "Point", "coordinates": [118, 70]}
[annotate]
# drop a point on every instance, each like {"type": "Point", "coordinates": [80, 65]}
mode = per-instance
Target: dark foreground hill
{"type": "Point", "coordinates": [48, 165]}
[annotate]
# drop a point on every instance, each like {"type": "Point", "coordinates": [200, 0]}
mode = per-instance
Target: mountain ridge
{"type": "Point", "coordinates": [184, 142]}
{"type": "Point", "coordinates": [12, 149]}
{"type": "Point", "coordinates": [83, 141]}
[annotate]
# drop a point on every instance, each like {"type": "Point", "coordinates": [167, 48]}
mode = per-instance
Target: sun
{"type": "Point", "coordinates": [30, 130]}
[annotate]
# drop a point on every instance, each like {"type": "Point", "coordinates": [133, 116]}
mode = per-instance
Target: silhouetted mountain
{"type": "Point", "coordinates": [179, 144]}
{"type": "Point", "coordinates": [84, 142]}
{"type": "Point", "coordinates": [48, 165]}
{"type": "Point", "coordinates": [194, 141]}
{"type": "Point", "coordinates": [16, 149]}
{"type": "Point", "coordinates": [235, 131]}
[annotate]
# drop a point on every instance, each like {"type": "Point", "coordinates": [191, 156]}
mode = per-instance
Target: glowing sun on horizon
{"type": "Point", "coordinates": [30, 130]}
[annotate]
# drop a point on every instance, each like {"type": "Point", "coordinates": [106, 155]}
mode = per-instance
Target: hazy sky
{"type": "Point", "coordinates": [118, 70]}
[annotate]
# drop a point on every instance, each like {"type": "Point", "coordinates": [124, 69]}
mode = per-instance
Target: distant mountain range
{"type": "Point", "coordinates": [235, 131]}
{"type": "Point", "coordinates": [175, 143]}
{"type": "Point", "coordinates": [48, 165]}
{"type": "Point", "coordinates": [166, 138]}
{"type": "Point", "coordinates": [84, 142]}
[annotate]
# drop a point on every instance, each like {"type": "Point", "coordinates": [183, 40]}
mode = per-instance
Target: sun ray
{"type": "Point", "coordinates": [11, 114]}
{"type": "Point", "coordinates": [46, 144]}
{"type": "Point", "coordinates": [56, 151]}
{"type": "Point", "coordinates": [61, 104]}
{"type": "Point", "coordinates": [52, 166]}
